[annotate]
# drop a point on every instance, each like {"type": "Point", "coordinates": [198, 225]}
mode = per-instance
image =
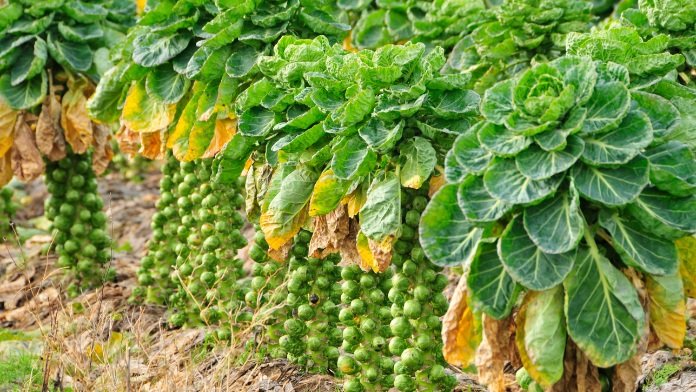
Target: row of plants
{"type": "Point", "coordinates": [551, 140]}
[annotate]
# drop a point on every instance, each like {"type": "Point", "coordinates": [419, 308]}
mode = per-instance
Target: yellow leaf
{"type": "Point", "coordinates": [128, 141]}
{"type": "Point", "coordinates": [140, 6]}
{"type": "Point", "coordinates": [142, 113]}
{"type": "Point", "coordinates": [348, 43]}
{"type": "Point", "coordinates": [375, 256]}
{"type": "Point", "coordinates": [356, 199]}
{"type": "Point", "coordinates": [461, 329]}
{"type": "Point", "coordinates": [151, 145]}
{"type": "Point", "coordinates": [367, 259]}
{"type": "Point", "coordinates": [5, 169]}
{"type": "Point", "coordinates": [96, 353]}
{"type": "Point", "coordinates": [437, 180]}
{"type": "Point", "coordinates": [686, 248]}
{"type": "Point", "coordinates": [8, 118]}
{"type": "Point", "coordinates": [327, 193]}
{"type": "Point", "coordinates": [278, 235]}
{"type": "Point", "coordinates": [667, 308]}
{"type": "Point", "coordinates": [74, 119]}
{"type": "Point", "coordinates": [225, 128]}
{"type": "Point", "coordinates": [199, 139]}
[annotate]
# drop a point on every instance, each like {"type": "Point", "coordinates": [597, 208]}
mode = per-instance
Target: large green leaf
{"type": "Point", "coordinates": [556, 225]}
{"type": "Point", "coordinates": [637, 248]}
{"type": "Point", "coordinates": [469, 152]}
{"type": "Point", "coordinates": [26, 66]}
{"type": "Point", "coordinates": [620, 145]}
{"type": "Point", "coordinates": [419, 159]}
{"type": "Point", "coordinates": [477, 204]}
{"type": "Point", "coordinates": [153, 49]}
{"type": "Point", "coordinates": [25, 95]}
{"type": "Point", "coordinates": [448, 238]}
{"type": "Point", "coordinates": [654, 206]}
{"type": "Point", "coordinates": [606, 108]}
{"type": "Point", "coordinates": [603, 312]}
{"type": "Point", "coordinates": [502, 142]}
{"type": "Point", "coordinates": [80, 33]}
{"type": "Point", "coordinates": [613, 187]}
{"type": "Point", "coordinates": [662, 114]}
{"type": "Point", "coordinates": [527, 263]}
{"type": "Point", "coordinates": [505, 182]}
{"type": "Point", "coordinates": [672, 168]}
{"type": "Point", "coordinates": [541, 335]}
{"type": "Point", "coordinates": [31, 25]}
{"type": "Point", "coordinates": [556, 139]}
{"type": "Point", "coordinates": [453, 103]}
{"type": "Point", "coordinates": [76, 56]}
{"type": "Point", "coordinates": [166, 85]}
{"type": "Point", "coordinates": [352, 158]}
{"type": "Point", "coordinates": [256, 122]}
{"type": "Point", "coordinates": [492, 289]}
{"type": "Point", "coordinates": [242, 61]}
{"type": "Point", "coordinates": [380, 216]}
{"type": "Point", "coordinates": [378, 136]}
{"type": "Point", "coordinates": [538, 164]}
{"type": "Point", "coordinates": [300, 142]}
{"type": "Point", "coordinates": [497, 102]}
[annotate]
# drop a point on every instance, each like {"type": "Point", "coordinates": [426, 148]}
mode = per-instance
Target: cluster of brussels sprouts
{"type": "Point", "coordinates": [156, 266]}
{"type": "Point", "coordinates": [208, 238]}
{"type": "Point", "coordinates": [417, 305]}
{"type": "Point", "coordinates": [312, 335]}
{"type": "Point", "coordinates": [8, 208]}
{"type": "Point", "coordinates": [78, 222]}
{"type": "Point", "coordinates": [267, 290]}
{"type": "Point", "coordinates": [366, 363]}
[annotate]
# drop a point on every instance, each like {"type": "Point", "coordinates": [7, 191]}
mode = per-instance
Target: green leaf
{"type": "Point", "coordinates": [84, 12]}
{"type": "Point", "coordinates": [376, 134]}
{"type": "Point", "coordinates": [286, 212]}
{"type": "Point", "coordinates": [557, 139]}
{"type": "Point", "coordinates": [620, 145]}
{"type": "Point", "coordinates": [352, 158]}
{"type": "Point", "coordinates": [637, 248]}
{"type": "Point", "coordinates": [469, 152]}
{"type": "Point", "coordinates": [76, 56]}
{"type": "Point", "coordinates": [166, 85]}
{"type": "Point", "coordinates": [232, 158]}
{"type": "Point", "coordinates": [25, 95]}
{"type": "Point", "coordinates": [606, 108]}
{"type": "Point", "coordinates": [613, 187]}
{"type": "Point", "coordinates": [477, 204]}
{"type": "Point", "coordinates": [360, 103]}
{"type": "Point", "coordinates": [541, 335]}
{"type": "Point", "coordinates": [656, 206]}
{"type": "Point", "coordinates": [300, 142]}
{"type": "Point", "coordinates": [103, 105]}
{"type": "Point", "coordinates": [380, 216]}
{"type": "Point", "coordinates": [31, 26]}
{"type": "Point", "coordinates": [453, 103]}
{"type": "Point", "coordinates": [528, 264]}
{"type": "Point", "coordinates": [257, 122]}
{"type": "Point", "coordinates": [497, 104]}
{"type": "Point", "coordinates": [242, 61]}
{"type": "Point", "coordinates": [80, 33]}
{"type": "Point", "coordinates": [454, 172]}
{"type": "Point", "coordinates": [492, 289]}
{"type": "Point", "coordinates": [419, 159]}
{"type": "Point", "coordinates": [9, 12]}
{"type": "Point", "coordinates": [322, 23]}
{"type": "Point", "coordinates": [505, 182]}
{"type": "Point", "coordinates": [26, 67]}
{"type": "Point", "coordinates": [672, 168]}
{"type": "Point", "coordinates": [501, 141]}
{"type": "Point", "coordinates": [556, 225]}
{"type": "Point", "coordinates": [448, 238]}
{"type": "Point", "coordinates": [604, 315]}
{"type": "Point", "coordinates": [207, 63]}
{"type": "Point", "coordinates": [662, 114]}
{"type": "Point", "coordinates": [538, 164]}
{"type": "Point", "coordinates": [153, 49]}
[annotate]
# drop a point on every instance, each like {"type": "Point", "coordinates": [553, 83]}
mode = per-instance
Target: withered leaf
{"type": "Point", "coordinates": [128, 141]}
{"type": "Point", "coordinates": [330, 231]}
{"type": "Point", "coordinates": [461, 329]}
{"type": "Point", "coordinates": [579, 375]}
{"type": "Point", "coordinates": [27, 163]}
{"type": "Point", "coordinates": [5, 169]}
{"type": "Point", "coordinates": [49, 134]}
{"type": "Point", "coordinates": [280, 254]}
{"type": "Point", "coordinates": [8, 119]}
{"type": "Point", "coordinates": [102, 148]}
{"type": "Point", "coordinates": [225, 128]}
{"type": "Point", "coordinates": [496, 349]}
{"type": "Point", "coordinates": [75, 121]}
{"type": "Point", "coordinates": [151, 145]}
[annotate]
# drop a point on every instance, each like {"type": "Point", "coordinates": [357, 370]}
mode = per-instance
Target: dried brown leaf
{"type": "Point", "coordinates": [151, 145]}
{"type": "Point", "coordinates": [330, 231]}
{"type": "Point", "coordinates": [27, 163]}
{"type": "Point", "coordinates": [496, 349]}
{"type": "Point", "coordinates": [102, 148]}
{"type": "Point", "coordinates": [579, 375]}
{"type": "Point", "coordinates": [6, 169]}
{"type": "Point", "coordinates": [348, 250]}
{"type": "Point", "coordinates": [280, 254]}
{"type": "Point", "coordinates": [461, 329]}
{"type": "Point", "coordinates": [49, 134]}
{"type": "Point", "coordinates": [128, 141]}
{"type": "Point", "coordinates": [74, 119]}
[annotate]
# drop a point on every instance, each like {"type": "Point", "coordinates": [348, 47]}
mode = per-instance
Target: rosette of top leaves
{"type": "Point", "coordinates": [334, 119]}
{"type": "Point", "coordinates": [439, 22]}
{"type": "Point", "coordinates": [676, 18]}
{"type": "Point", "coordinates": [564, 183]}
{"type": "Point", "coordinates": [510, 35]}
{"type": "Point", "coordinates": [185, 63]}
{"type": "Point", "coordinates": [51, 54]}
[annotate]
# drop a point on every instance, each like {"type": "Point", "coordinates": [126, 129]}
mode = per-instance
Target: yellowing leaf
{"type": "Point", "coordinates": [461, 329]}
{"type": "Point", "coordinates": [225, 128]}
{"type": "Point", "coordinates": [541, 335]}
{"type": "Point", "coordinates": [49, 135]}
{"type": "Point", "coordinates": [141, 113]}
{"type": "Point", "coordinates": [375, 256]}
{"type": "Point", "coordinates": [367, 259]}
{"type": "Point", "coordinates": [198, 140]}
{"type": "Point", "coordinates": [667, 308]}
{"type": "Point", "coordinates": [8, 118]}
{"type": "Point", "coordinates": [151, 145]}
{"type": "Point", "coordinates": [686, 249]}
{"type": "Point", "coordinates": [5, 169]}
{"type": "Point", "coordinates": [74, 119]}
{"type": "Point", "coordinates": [437, 180]}
{"type": "Point", "coordinates": [356, 200]}
{"type": "Point", "coordinates": [348, 43]}
{"type": "Point", "coordinates": [327, 194]}
{"type": "Point", "coordinates": [27, 163]}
